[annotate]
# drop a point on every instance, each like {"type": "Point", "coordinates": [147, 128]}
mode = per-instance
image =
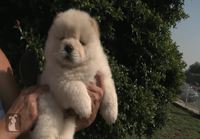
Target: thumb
{"type": "Point", "coordinates": [99, 79]}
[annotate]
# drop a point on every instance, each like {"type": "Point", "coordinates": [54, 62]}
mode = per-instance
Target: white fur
{"type": "Point", "coordinates": [66, 74]}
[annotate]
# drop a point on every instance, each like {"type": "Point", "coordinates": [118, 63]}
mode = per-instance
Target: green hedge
{"type": "Point", "coordinates": [146, 64]}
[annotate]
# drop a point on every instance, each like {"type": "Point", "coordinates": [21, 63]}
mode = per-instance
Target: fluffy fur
{"type": "Point", "coordinates": [73, 55]}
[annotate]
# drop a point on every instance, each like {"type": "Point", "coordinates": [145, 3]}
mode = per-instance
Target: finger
{"type": "Point", "coordinates": [28, 90]}
{"type": "Point", "coordinates": [39, 91]}
{"type": "Point", "coordinates": [33, 110]}
{"type": "Point", "coordinates": [97, 92]}
{"type": "Point", "coordinates": [17, 104]}
{"type": "Point", "coordinates": [18, 100]}
{"type": "Point", "coordinates": [93, 87]}
{"type": "Point", "coordinates": [29, 102]}
{"type": "Point", "coordinates": [95, 108]}
{"type": "Point", "coordinates": [93, 97]}
{"type": "Point", "coordinates": [99, 79]}
{"type": "Point", "coordinates": [21, 99]}
{"type": "Point", "coordinates": [44, 88]}
{"type": "Point", "coordinates": [32, 97]}
{"type": "Point", "coordinates": [90, 84]}
{"type": "Point", "coordinates": [30, 110]}
{"type": "Point", "coordinates": [17, 108]}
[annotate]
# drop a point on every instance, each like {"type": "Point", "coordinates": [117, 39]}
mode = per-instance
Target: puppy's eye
{"type": "Point", "coordinates": [82, 43]}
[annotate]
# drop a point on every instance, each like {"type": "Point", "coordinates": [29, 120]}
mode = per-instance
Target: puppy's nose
{"type": "Point", "coordinates": [68, 48]}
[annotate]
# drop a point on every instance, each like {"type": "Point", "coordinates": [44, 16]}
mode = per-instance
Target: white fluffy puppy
{"type": "Point", "coordinates": [73, 55]}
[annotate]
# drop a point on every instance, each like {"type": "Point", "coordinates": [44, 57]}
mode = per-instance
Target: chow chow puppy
{"type": "Point", "coordinates": [73, 55]}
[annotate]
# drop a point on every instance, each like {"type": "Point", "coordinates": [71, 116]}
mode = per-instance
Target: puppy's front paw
{"type": "Point", "coordinates": [84, 108]}
{"type": "Point", "coordinates": [109, 114]}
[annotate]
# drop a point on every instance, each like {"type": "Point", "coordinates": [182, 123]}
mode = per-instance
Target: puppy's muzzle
{"type": "Point", "coordinates": [68, 48]}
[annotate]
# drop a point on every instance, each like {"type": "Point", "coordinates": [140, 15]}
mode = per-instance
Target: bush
{"type": "Point", "coordinates": [146, 64]}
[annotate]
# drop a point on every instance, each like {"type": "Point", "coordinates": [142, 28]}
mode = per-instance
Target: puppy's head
{"type": "Point", "coordinates": [72, 39]}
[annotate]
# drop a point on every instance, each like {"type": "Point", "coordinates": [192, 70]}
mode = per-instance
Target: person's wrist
{"type": "Point", "coordinates": [4, 133]}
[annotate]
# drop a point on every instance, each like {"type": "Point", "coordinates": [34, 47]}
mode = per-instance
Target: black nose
{"type": "Point", "coordinates": [68, 48]}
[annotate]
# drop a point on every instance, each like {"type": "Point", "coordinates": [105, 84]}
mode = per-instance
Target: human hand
{"type": "Point", "coordinates": [26, 107]}
{"type": "Point", "coordinates": [95, 90]}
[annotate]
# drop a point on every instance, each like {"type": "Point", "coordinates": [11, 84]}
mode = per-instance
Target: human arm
{"type": "Point", "coordinates": [8, 86]}
{"type": "Point", "coordinates": [26, 107]}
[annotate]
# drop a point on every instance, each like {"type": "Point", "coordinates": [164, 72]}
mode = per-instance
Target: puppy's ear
{"type": "Point", "coordinates": [58, 14]}
{"type": "Point", "coordinates": [95, 25]}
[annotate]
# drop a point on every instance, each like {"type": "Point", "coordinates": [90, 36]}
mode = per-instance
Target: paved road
{"type": "Point", "coordinates": [187, 106]}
